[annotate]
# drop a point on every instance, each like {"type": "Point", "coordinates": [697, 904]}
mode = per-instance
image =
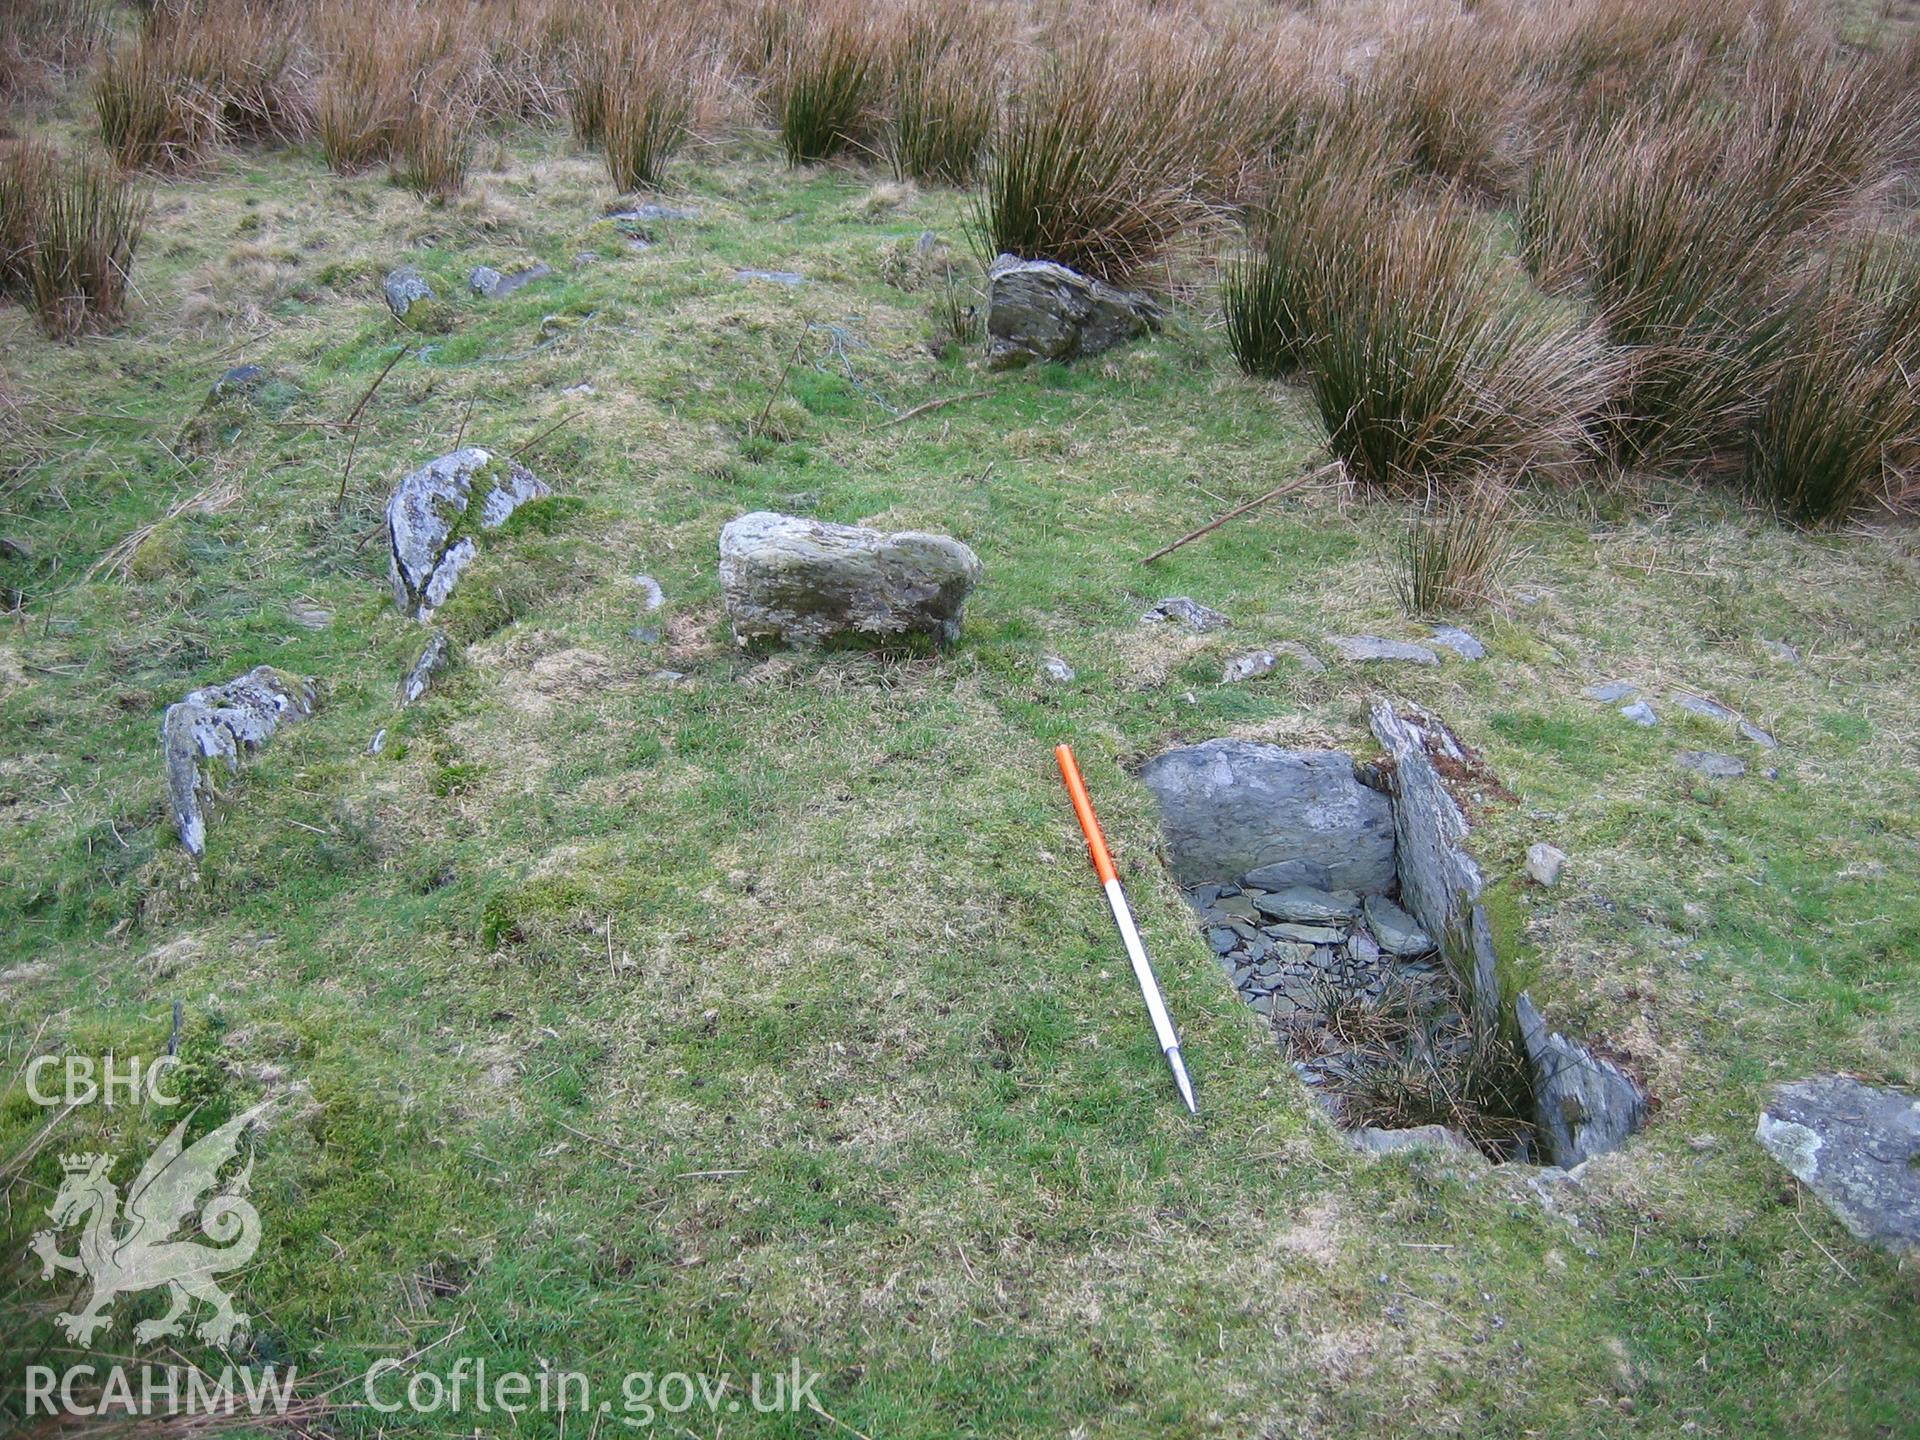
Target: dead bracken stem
{"type": "Point", "coordinates": [352, 423]}
{"type": "Point", "coordinates": [779, 388]}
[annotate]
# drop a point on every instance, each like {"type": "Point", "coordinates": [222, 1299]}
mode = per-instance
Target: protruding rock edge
{"type": "Point", "coordinates": [202, 727]}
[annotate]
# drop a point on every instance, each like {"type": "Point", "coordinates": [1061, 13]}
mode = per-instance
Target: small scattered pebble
{"type": "Point", "coordinates": [1544, 863]}
{"type": "Point", "coordinates": [1057, 670]}
{"type": "Point", "coordinates": [1250, 666]}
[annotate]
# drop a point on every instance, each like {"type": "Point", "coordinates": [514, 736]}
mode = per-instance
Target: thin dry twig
{"type": "Point", "coordinates": [1296, 483]}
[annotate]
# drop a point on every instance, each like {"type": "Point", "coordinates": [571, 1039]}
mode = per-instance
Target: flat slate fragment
{"type": "Point", "coordinates": [1462, 642]}
{"type": "Point", "coordinates": [1857, 1147]}
{"type": "Point", "coordinates": [1362, 648]}
{"type": "Point", "coordinates": [1710, 763]}
{"type": "Point", "coordinates": [1608, 691]}
{"type": "Point", "coordinates": [1186, 611]}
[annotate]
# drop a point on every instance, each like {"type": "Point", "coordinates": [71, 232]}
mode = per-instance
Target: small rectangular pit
{"type": "Point", "coordinates": [1342, 904]}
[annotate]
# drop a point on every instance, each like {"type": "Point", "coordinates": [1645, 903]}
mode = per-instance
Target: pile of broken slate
{"type": "Point", "coordinates": [1296, 952]}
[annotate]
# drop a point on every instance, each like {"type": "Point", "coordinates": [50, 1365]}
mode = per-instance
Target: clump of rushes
{"type": "Point", "coordinates": [1685, 233]}
{"type": "Point", "coordinates": [637, 96]}
{"type": "Point", "coordinates": [827, 85]}
{"type": "Point", "coordinates": [1455, 549]}
{"type": "Point", "coordinates": [363, 101]}
{"type": "Point", "coordinates": [1091, 167]}
{"type": "Point", "coordinates": [1841, 417]}
{"type": "Point", "coordinates": [945, 102]}
{"type": "Point", "coordinates": [42, 40]}
{"type": "Point", "coordinates": [1455, 88]}
{"type": "Point", "coordinates": [433, 149]}
{"type": "Point", "coordinates": [1432, 364]}
{"type": "Point", "coordinates": [196, 78]}
{"type": "Point", "coordinates": [81, 257]}
{"type": "Point", "coordinates": [154, 111]}
{"type": "Point", "coordinates": [26, 177]}
{"type": "Point", "coordinates": [367, 91]}
{"type": "Point", "coordinates": [1310, 219]}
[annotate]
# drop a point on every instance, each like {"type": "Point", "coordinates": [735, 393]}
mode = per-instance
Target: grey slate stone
{"type": "Point", "coordinates": [772, 277]}
{"type": "Point", "coordinates": [430, 545]}
{"type": "Point", "coordinates": [1372, 1140]}
{"type": "Point", "coordinates": [1186, 611]}
{"type": "Point", "coordinates": [432, 660]}
{"type": "Point", "coordinates": [1397, 932]}
{"type": "Point", "coordinates": [1706, 709]}
{"type": "Point", "coordinates": [1308, 660]}
{"type": "Point", "coordinates": [405, 288]}
{"type": "Point", "coordinates": [1544, 863]}
{"type": "Point", "coordinates": [1250, 666]}
{"type": "Point", "coordinates": [1278, 817]}
{"type": "Point", "coordinates": [1751, 731]}
{"type": "Point", "coordinates": [1585, 1106]}
{"type": "Point", "coordinates": [1037, 310]}
{"type": "Point", "coordinates": [485, 280]}
{"type": "Point", "coordinates": [650, 211]}
{"type": "Point", "coordinates": [1857, 1147]}
{"type": "Point", "coordinates": [1057, 670]}
{"type": "Point", "coordinates": [1641, 714]}
{"type": "Point", "coordinates": [240, 380]}
{"type": "Point", "coordinates": [1306, 905]}
{"type": "Point", "coordinates": [1306, 934]}
{"type": "Point", "coordinates": [1710, 763]}
{"type": "Point", "coordinates": [806, 581]}
{"type": "Point", "coordinates": [1362, 648]}
{"type": "Point", "coordinates": [1608, 691]}
{"type": "Point", "coordinates": [222, 722]}
{"type": "Point", "coordinates": [1461, 642]}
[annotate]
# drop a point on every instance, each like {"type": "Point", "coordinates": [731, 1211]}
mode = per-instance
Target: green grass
{"type": "Point", "coordinates": [774, 1012]}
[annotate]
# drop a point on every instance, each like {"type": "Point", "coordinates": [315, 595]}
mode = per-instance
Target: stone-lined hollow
{"type": "Point", "coordinates": [1343, 904]}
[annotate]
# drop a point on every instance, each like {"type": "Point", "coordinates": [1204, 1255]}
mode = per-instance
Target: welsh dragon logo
{"type": "Point", "coordinates": [125, 1255]}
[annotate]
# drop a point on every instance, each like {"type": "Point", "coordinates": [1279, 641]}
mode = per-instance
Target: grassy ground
{"type": "Point", "coordinates": [642, 1024]}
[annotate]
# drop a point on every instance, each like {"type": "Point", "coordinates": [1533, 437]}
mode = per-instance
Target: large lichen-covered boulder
{"type": "Point", "coordinates": [1857, 1147]}
{"type": "Point", "coordinates": [1037, 310]}
{"type": "Point", "coordinates": [432, 518]}
{"type": "Point", "coordinates": [1233, 808]}
{"type": "Point", "coordinates": [806, 581]}
{"type": "Point", "coordinates": [223, 722]}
